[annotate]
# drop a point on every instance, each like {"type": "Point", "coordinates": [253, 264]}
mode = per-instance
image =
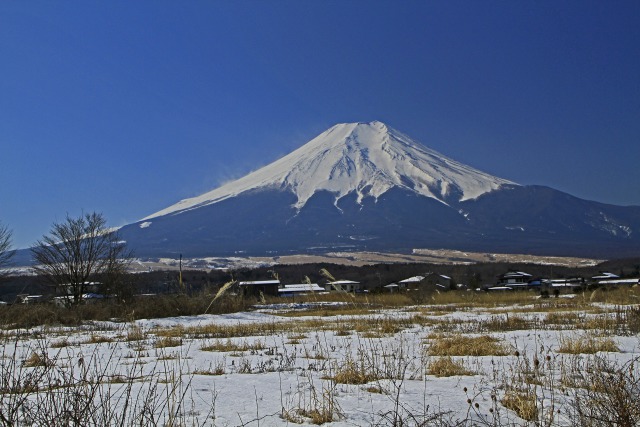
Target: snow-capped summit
{"type": "Point", "coordinates": [365, 159]}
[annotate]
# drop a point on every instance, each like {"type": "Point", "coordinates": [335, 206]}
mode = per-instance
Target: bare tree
{"type": "Point", "coordinates": [78, 251]}
{"type": "Point", "coordinates": [5, 246]}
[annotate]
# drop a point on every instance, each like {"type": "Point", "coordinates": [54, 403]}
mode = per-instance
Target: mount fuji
{"type": "Point", "coordinates": [366, 186]}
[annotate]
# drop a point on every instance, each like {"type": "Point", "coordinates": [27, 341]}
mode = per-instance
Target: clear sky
{"type": "Point", "coordinates": [126, 107]}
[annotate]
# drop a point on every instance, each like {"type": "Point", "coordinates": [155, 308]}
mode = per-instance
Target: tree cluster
{"type": "Point", "coordinates": [6, 252]}
{"type": "Point", "coordinates": [76, 254]}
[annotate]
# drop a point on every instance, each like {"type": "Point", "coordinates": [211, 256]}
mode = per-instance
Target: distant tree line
{"type": "Point", "coordinates": [198, 281]}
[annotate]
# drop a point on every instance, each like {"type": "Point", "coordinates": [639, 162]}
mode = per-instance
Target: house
{"type": "Point", "coordinates": [610, 279]}
{"type": "Point", "coordinates": [439, 281]}
{"type": "Point", "coordinates": [30, 299]}
{"type": "Point", "coordinates": [67, 291]}
{"type": "Point", "coordinates": [411, 283]}
{"type": "Point", "coordinates": [623, 282]}
{"type": "Point", "coordinates": [257, 287]}
{"type": "Point", "coordinates": [300, 289]}
{"type": "Point", "coordinates": [86, 287]}
{"type": "Point", "coordinates": [344, 286]}
{"type": "Point", "coordinates": [392, 287]}
{"type": "Point", "coordinates": [498, 288]}
{"type": "Point", "coordinates": [87, 298]}
{"type": "Point", "coordinates": [572, 283]}
{"type": "Point", "coordinates": [514, 279]}
{"type": "Point", "coordinates": [430, 281]}
{"type": "Point", "coordinates": [618, 282]}
{"type": "Point", "coordinates": [539, 283]}
{"type": "Point", "coordinates": [604, 276]}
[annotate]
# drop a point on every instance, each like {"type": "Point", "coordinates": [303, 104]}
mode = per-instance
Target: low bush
{"type": "Point", "coordinates": [606, 393]}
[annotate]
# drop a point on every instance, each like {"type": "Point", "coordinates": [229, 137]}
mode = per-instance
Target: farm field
{"type": "Point", "coordinates": [490, 360]}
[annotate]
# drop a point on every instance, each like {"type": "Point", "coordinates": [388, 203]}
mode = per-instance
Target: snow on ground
{"type": "Point", "coordinates": [259, 368]}
{"type": "Point", "coordinates": [218, 319]}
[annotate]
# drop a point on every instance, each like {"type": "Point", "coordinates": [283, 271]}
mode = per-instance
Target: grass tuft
{"type": "Point", "coordinates": [352, 372]}
{"type": "Point", "coordinates": [524, 404]}
{"type": "Point", "coordinates": [587, 344]}
{"type": "Point", "coordinates": [164, 342]}
{"type": "Point", "coordinates": [460, 345]}
{"type": "Point", "coordinates": [38, 360]}
{"type": "Point", "coordinates": [447, 367]}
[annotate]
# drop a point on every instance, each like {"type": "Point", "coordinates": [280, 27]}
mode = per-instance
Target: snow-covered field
{"type": "Point", "coordinates": [376, 367]}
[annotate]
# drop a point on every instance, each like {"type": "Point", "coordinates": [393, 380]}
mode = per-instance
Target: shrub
{"type": "Point", "coordinates": [607, 394]}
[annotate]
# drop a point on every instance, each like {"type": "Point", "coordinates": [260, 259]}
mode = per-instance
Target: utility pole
{"type": "Point", "coordinates": [180, 277]}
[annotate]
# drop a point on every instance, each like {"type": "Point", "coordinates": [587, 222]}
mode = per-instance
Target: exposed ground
{"type": "Point", "coordinates": [435, 256]}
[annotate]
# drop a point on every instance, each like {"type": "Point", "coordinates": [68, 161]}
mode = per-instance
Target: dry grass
{"type": "Point", "coordinates": [606, 393]}
{"type": "Point", "coordinates": [174, 332]}
{"type": "Point", "coordinates": [214, 370]}
{"type": "Point", "coordinates": [484, 299]}
{"type": "Point", "coordinates": [135, 333]}
{"type": "Point", "coordinates": [375, 389]}
{"type": "Point", "coordinates": [354, 372]}
{"type": "Point", "coordinates": [236, 331]}
{"type": "Point", "coordinates": [64, 342]}
{"type": "Point", "coordinates": [38, 360]}
{"type": "Point", "coordinates": [163, 342]}
{"type": "Point", "coordinates": [587, 344]}
{"type": "Point", "coordinates": [447, 367]}
{"type": "Point", "coordinates": [384, 325]}
{"type": "Point", "coordinates": [524, 404]}
{"type": "Point", "coordinates": [562, 318]}
{"type": "Point", "coordinates": [508, 322]}
{"type": "Point", "coordinates": [231, 347]}
{"type": "Point", "coordinates": [117, 379]}
{"type": "Point", "coordinates": [379, 326]}
{"type": "Point", "coordinates": [460, 345]}
{"type": "Point", "coordinates": [97, 339]}
{"type": "Point", "coordinates": [317, 416]}
{"type": "Point", "coordinates": [622, 295]}
{"type": "Point", "coordinates": [169, 356]}
{"type": "Point", "coordinates": [334, 310]}
{"type": "Point", "coordinates": [365, 301]}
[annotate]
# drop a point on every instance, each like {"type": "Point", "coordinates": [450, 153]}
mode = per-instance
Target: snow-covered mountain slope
{"type": "Point", "coordinates": [365, 159]}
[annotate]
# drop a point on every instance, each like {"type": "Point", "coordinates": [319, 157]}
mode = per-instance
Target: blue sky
{"type": "Point", "coordinates": [127, 107]}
